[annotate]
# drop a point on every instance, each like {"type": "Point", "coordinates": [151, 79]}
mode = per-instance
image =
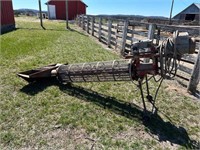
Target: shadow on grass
{"type": "Point", "coordinates": [46, 29]}
{"type": "Point", "coordinates": [165, 131]}
{"type": "Point", "coordinates": [7, 31]}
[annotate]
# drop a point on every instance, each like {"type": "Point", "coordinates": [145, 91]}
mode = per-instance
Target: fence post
{"type": "Point", "coordinates": [83, 22]}
{"type": "Point", "coordinates": [100, 23]}
{"type": "Point", "coordinates": [195, 78]}
{"type": "Point", "coordinates": [151, 32]}
{"type": "Point", "coordinates": [88, 19]}
{"type": "Point", "coordinates": [124, 36]}
{"type": "Point", "coordinates": [132, 34]}
{"type": "Point", "coordinates": [109, 32]}
{"type": "Point", "coordinates": [158, 37]}
{"type": "Point", "coordinates": [76, 19]}
{"type": "Point", "coordinates": [79, 21]}
{"type": "Point", "coordinates": [93, 19]}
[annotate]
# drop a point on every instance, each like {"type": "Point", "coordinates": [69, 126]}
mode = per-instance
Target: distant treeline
{"type": "Point", "coordinates": [132, 16]}
{"type": "Point", "coordinates": [27, 12]}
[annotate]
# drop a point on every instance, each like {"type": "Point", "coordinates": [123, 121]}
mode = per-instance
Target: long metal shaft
{"type": "Point", "coordinates": [103, 71]}
{"type": "Point", "coordinates": [117, 70]}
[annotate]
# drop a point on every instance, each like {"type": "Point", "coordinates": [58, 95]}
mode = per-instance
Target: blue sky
{"type": "Point", "coordinates": [127, 7]}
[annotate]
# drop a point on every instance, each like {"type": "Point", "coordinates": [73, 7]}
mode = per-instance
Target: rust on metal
{"type": "Point", "coordinates": [39, 73]}
{"type": "Point", "coordinates": [162, 61]}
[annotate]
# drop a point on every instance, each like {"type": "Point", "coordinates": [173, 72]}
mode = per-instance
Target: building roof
{"type": "Point", "coordinates": [195, 4]}
{"type": "Point", "coordinates": [60, 0]}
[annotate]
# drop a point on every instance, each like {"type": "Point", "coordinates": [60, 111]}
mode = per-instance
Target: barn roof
{"type": "Point", "coordinates": [60, 0]}
{"type": "Point", "coordinates": [195, 4]}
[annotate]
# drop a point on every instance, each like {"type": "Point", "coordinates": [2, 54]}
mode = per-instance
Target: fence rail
{"type": "Point", "coordinates": [120, 35]}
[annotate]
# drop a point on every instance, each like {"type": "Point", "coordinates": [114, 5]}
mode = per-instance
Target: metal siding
{"type": "Point", "coordinates": [182, 16]}
{"type": "Point", "coordinates": [7, 13]}
{"type": "Point", "coordinates": [60, 9]}
{"type": "Point", "coordinates": [75, 8]}
{"type": "Point", "coordinates": [191, 10]}
{"type": "Point", "coordinates": [84, 8]}
{"type": "Point", "coordinates": [177, 17]}
{"type": "Point", "coordinates": [197, 17]}
{"type": "Point", "coordinates": [72, 9]}
{"type": "Point", "coordinates": [81, 8]}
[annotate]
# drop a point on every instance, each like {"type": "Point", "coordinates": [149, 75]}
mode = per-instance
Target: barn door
{"type": "Point", "coordinates": [52, 12]}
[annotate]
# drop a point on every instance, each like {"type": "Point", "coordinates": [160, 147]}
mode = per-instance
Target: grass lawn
{"type": "Point", "coordinates": [49, 115]}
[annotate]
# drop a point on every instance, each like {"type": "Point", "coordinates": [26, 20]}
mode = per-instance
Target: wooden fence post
{"type": "Point", "coordinates": [79, 20]}
{"type": "Point", "coordinates": [83, 22]}
{"type": "Point", "coordinates": [109, 32]}
{"type": "Point", "coordinates": [88, 19]}
{"type": "Point", "coordinates": [151, 32]}
{"type": "Point", "coordinates": [132, 34]}
{"type": "Point", "coordinates": [195, 78]}
{"type": "Point", "coordinates": [76, 20]}
{"type": "Point", "coordinates": [100, 24]}
{"type": "Point", "coordinates": [93, 20]}
{"type": "Point", "coordinates": [124, 36]}
{"type": "Point", "coordinates": [158, 37]}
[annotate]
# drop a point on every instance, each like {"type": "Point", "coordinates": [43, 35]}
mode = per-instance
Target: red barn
{"type": "Point", "coordinates": [7, 16]}
{"type": "Point", "coordinates": [57, 9]}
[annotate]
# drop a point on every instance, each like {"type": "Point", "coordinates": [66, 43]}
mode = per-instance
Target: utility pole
{"type": "Point", "coordinates": [67, 24]}
{"type": "Point", "coordinates": [170, 18]}
{"type": "Point", "coordinates": [40, 10]}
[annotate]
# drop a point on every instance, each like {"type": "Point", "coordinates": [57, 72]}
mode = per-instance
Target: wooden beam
{"type": "Point", "coordinates": [83, 22]}
{"type": "Point", "coordinates": [185, 69]}
{"type": "Point", "coordinates": [132, 34]}
{"type": "Point", "coordinates": [109, 31]}
{"type": "Point", "coordinates": [93, 20]}
{"type": "Point", "coordinates": [100, 24]}
{"type": "Point", "coordinates": [151, 32]}
{"type": "Point", "coordinates": [124, 37]}
{"type": "Point", "coordinates": [79, 21]}
{"type": "Point", "coordinates": [88, 19]}
{"type": "Point", "coordinates": [169, 28]}
{"type": "Point", "coordinates": [158, 37]}
{"type": "Point", "coordinates": [195, 78]}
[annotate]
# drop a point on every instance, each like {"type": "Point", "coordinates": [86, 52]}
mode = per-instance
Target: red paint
{"type": "Point", "coordinates": [75, 8]}
{"type": "Point", "coordinates": [7, 13]}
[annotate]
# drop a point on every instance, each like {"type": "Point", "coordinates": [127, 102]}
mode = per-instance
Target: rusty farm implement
{"type": "Point", "coordinates": [143, 62]}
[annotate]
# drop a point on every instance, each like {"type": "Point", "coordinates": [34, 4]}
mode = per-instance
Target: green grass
{"type": "Point", "coordinates": [100, 115]}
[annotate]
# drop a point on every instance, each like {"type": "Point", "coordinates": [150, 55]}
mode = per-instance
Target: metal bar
{"type": "Point", "coordinates": [117, 70]}
{"type": "Point", "coordinates": [142, 94]}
